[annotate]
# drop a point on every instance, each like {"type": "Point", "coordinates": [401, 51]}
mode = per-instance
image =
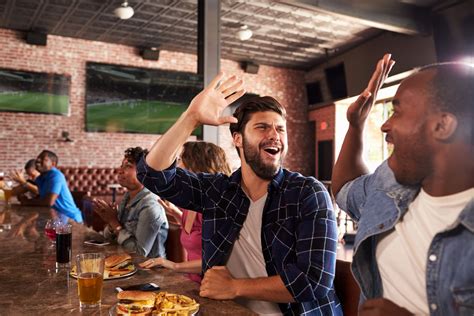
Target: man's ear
{"type": "Point", "coordinates": [446, 125]}
{"type": "Point", "coordinates": [237, 137]}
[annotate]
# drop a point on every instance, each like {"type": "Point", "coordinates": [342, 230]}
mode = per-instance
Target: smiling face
{"type": "Point", "coordinates": [127, 175]}
{"type": "Point", "coordinates": [44, 163]}
{"type": "Point", "coordinates": [263, 143]}
{"type": "Point", "coordinates": [410, 129]}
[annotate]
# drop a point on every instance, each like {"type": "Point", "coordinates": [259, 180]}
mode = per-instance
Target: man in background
{"type": "Point", "coordinates": [53, 189]}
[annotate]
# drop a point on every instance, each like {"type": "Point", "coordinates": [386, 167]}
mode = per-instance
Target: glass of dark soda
{"type": "Point", "coordinates": [63, 245]}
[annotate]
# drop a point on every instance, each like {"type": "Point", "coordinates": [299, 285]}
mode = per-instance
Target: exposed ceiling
{"type": "Point", "coordinates": [293, 34]}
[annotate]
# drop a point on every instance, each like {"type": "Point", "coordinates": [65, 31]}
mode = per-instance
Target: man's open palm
{"type": "Point", "coordinates": [358, 111]}
{"type": "Point", "coordinates": [207, 106]}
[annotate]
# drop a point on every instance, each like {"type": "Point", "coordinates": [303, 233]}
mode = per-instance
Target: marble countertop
{"type": "Point", "coordinates": [30, 284]}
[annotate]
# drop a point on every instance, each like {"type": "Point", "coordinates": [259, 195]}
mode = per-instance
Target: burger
{"type": "Point", "coordinates": [136, 303]}
{"type": "Point", "coordinates": [118, 264]}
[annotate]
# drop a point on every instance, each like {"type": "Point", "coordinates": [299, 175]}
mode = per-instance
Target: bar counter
{"type": "Point", "coordinates": [30, 284]}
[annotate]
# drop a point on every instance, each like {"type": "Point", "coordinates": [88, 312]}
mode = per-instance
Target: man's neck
{"type": "Point", "coordinates": [254, 186]}
{"type": "Point", "coordinates": [133, 192]}
{"type": "Point", "coordinates": [452, 173]}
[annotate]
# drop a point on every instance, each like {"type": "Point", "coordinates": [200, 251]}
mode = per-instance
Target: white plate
{"type": "Point", "coordinates": [113, 277]}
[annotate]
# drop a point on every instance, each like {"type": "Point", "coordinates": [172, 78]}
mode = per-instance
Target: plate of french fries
{"type": "Point", "coordinates": [156, 304]}
{"type": "Point", "coordinates": [167, 304]}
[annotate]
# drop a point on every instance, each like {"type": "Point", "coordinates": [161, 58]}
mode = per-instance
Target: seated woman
{"type": "Point", "coordinates": [196, 157]}
{"type": "Point", "coordinates": [139, 224]}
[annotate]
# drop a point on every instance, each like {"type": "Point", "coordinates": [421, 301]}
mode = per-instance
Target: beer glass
{"type": "Point", "coordinates": [90, 272]}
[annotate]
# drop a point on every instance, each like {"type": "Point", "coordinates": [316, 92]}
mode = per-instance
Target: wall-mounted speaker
{"type": "Point", "coordinates": [36, 38]}
{"type": "Point", "coordinates": [314, 92]}
{"type": "Point", "coordinates": [150, 54]}
{"type": "Point", "coordinates": [250, 67]}
{"type": "Point", "coordinates": [336, 80]}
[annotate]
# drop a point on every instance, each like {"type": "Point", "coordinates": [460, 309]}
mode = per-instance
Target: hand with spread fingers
{"type": "Point", "coordinates": [207, 106]}
{"type": "Point", "coordinates": [218, 284]}
{"type": "Point", "coordinates": [358, 111]}
{"type": "Point", "coordinates": [382, 307]}
{"type": "Point", "coordinates": [18, 176]}
{"type": "Point", "coordinates": [106, 211]}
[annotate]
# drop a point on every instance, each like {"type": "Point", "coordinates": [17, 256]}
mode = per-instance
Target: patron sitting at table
{"type": "Point", "coordinates": [27, 186]}
{"type": "Point", "coordinates": [414, 246]}
{"type": "Point", "coordinates": [269, 234]}
{"type": "Point", "coordinates": [53, 189]}
{"type": "Point", "coordinates": [139, 224]}
{"type": "Point", "coordinates": [196, 157]}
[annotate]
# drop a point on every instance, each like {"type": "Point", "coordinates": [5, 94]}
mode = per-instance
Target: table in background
{"type": "Point", "coordinates": [31, 285]}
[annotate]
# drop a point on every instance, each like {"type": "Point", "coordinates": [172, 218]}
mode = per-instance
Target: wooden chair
{"type": "Point", "coordinates": [347, 289]}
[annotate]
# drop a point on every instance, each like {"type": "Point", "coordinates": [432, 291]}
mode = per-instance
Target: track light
{"type": "Point", "coordinates": [124, 12]}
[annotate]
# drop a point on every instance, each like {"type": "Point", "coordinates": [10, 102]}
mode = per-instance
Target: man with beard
{"type": "Point", "coordinates": [414, 249]}
{"type": "Point", "coordinates": [269, 235]}
{"type": "Point", "coordinates": [139, 224]}
{"type": "Point", "coordinates": [53, 189]}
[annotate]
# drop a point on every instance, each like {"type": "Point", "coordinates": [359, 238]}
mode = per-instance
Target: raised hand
{"type": "Point", "coordinates": [207, 106]}
{"type": "Point", "coordinates": [106, 211]}
{"type": "Point", "coordinates": [358, 111]}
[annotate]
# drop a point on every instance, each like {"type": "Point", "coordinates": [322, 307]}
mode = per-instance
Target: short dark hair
{"type": "Point", "coordinates": [452, 90]}
{"type": "Point", "coordinates": [134, 154]}
{"type": "Point", "coordinates": [51, 155]}
{"type": "Point", "coordinates": [256, 104]}
{"type": "Point", "coordinates": [30, 164]}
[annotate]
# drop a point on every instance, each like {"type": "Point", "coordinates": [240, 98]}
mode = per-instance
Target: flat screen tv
{"type": "Point", "coordinates": [137, 100]}
{"type": "Point", "coordinates": [37, 92]}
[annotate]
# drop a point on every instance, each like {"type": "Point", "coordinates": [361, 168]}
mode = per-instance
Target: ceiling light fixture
{"type": "Point", "coordinates": [244, 33]}
{"type": "Point", "coordinates": [124, 12]}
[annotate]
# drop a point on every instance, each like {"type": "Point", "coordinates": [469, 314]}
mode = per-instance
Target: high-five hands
{"type": "Point", "coordinates": [207, 106]}
{"type": "Point", "coordinates": [359, 110]}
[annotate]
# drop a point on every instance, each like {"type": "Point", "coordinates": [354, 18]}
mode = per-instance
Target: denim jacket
{"type": "Point", "coordinates": [377, 202]}
{"type": "Point", "coordinates": [145, 227]}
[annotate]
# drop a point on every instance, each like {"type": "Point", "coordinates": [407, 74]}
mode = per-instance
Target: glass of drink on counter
{"type": "Point", "coordinates": [50, 230]}
{"type": "Point", "coordinates": [90, 272]}
{"type": "Point", "coordinates": [63, 245]}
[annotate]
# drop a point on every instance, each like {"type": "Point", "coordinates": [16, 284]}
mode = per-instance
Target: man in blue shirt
{"type": "Point", "coordinates": [53, 189]}
{"type": "Point", "coordinates": [414, 250]}
{"type": "Point", "coordinates": [269, 235]}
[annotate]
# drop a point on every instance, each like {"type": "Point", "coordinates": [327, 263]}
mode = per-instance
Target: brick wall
{"type": "Point", "coordinates": [24, 135]}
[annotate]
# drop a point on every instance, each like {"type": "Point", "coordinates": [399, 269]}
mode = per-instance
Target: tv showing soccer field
{"type": "Point", "coordinates": [137, 100]}
{"type": "Point", "coordinates": [36, 92]}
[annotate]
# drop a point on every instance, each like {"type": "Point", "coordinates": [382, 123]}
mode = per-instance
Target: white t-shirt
{"type": "Point", "coordinates": [246, 259]}
{"type": "Point", "coordinates": [402, 254]}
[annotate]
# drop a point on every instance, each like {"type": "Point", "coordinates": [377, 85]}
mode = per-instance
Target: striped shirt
{"type": "Point", "coordinates": [299, 233]}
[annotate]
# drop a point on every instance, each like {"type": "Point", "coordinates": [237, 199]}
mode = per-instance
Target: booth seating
{"type": "Point", "coordinates": [88, 183]}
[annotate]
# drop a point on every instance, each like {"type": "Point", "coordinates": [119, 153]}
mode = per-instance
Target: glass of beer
{"type": "Point", "coordinates": [90, 272]}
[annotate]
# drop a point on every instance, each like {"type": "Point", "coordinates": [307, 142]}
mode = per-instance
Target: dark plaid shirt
{"type": "Point", "coordinates": [299, 234]}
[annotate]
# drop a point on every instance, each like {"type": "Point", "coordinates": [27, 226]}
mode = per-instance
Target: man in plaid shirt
{"type": "Point", "coordinates": [269, 235]}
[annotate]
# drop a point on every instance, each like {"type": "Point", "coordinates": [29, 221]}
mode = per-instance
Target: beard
{"type": "Point", "coordinates": [252, 157]}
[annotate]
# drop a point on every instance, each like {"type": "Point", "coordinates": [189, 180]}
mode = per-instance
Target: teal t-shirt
{"type": "Point", "coordinates": [54, 182]}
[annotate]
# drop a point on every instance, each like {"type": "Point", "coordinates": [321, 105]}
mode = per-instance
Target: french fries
{"type": "Point", "coordinates": [168, 304]}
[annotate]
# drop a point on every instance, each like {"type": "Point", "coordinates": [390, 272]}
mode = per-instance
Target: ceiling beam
{"type": "Point", "coordinates": [390, 15]}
